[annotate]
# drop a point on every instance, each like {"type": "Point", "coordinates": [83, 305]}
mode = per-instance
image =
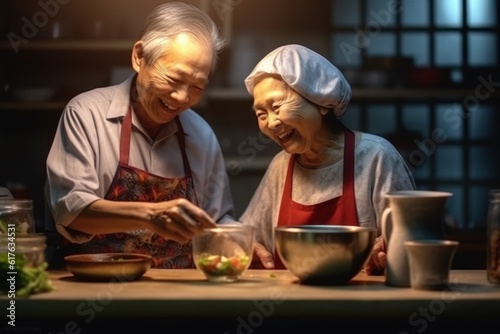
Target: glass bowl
{"type": "Point", "coordinates": [223, 253]}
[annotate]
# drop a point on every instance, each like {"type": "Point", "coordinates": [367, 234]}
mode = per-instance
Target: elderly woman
{"type": "Point", "coordinates": [326, 172]}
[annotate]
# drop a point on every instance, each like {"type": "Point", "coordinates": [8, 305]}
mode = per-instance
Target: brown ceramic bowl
{"type": "Point", "coordinates": [108, 266]}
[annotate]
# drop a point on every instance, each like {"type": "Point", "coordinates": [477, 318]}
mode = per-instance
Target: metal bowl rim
{"type": "Point", "coordinates": [229, 228]}
{"type": "Point", "coordinates": [418, 194]}
{"type": "Point", "coordinates": [324, 229]}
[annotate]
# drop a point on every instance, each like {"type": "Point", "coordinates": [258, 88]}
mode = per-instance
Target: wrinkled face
{"type": "Point", "coordinates": [286, 117]}
{"type": "Point", "coordinates": [175, 82]}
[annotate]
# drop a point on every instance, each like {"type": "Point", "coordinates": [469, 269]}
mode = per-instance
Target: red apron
{"type": "Point", "coordinates": [336, 211]}
{"type": "Point", "coordinates": [133, 184]}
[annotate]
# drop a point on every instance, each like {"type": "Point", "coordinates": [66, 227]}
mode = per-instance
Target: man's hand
{"type": "Point", "coordinates": [180, 220]}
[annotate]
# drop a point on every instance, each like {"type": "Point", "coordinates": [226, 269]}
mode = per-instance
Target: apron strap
{"type": "Point", "coordinates": [125, 137]}
{"type": "Point", "coordinates": [182, 143]}
{"type": "Point", "coordinates": [348, 182]}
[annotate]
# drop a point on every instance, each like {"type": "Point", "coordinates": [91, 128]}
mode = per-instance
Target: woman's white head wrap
{"type": "Point", "coordinates": [308, 73]}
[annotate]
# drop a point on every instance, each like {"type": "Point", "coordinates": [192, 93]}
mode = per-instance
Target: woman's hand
{"type": "Point", "coordinates": [262, 259]}
{"type": "Point", "coordinates": [179, 220]}
{"type": "Point", "coordinates": [378, 258]}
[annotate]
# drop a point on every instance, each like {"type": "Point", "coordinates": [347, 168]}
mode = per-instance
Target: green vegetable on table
{"type": "Point", "coordinates": [28, 279]}
{"type": "Point", "coordinates": [3, 226]}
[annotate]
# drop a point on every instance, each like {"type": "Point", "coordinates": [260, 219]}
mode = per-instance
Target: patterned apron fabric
{"type": "Point", "coordinates": [133, 184]}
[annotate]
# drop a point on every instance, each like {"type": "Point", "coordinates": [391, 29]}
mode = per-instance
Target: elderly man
{"type": "Point", "coordinates": [132, 168]}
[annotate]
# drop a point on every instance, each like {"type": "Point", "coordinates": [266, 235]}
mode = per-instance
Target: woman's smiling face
{"type": "Point", "coordinates": [290, 120]}
{"type": "Point", "coordinates": [175, 82]}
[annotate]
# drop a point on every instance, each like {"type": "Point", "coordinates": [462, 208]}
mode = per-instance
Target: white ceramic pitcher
{"type": "Point", "coordinates": [411, 215]}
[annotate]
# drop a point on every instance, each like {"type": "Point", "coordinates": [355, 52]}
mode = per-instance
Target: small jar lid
{"type": "Point", "coordinates": [11, 204]}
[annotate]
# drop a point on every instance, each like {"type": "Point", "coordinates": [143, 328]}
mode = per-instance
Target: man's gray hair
{"type": "Point", "coordinates": [170, 19]}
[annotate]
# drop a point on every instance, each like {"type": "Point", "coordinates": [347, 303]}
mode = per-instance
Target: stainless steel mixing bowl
{"type": "Point", "coordinates": [324, 254]}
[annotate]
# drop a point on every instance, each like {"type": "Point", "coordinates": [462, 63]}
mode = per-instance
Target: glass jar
{"type": "Point", "coordinates": [493, 238]}
{"type": "Point", "coordinates": [28, 248]}
{"type": "Point", "coordinates": [17, 213]}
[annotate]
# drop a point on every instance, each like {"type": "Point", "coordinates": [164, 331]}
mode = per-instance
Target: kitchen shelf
{"type": "Point", "coordinates": [35, 106]}
{"type": "Point", "coordinates": [411, 93]}
{"type": "Point", "coordinates": [227, 94]}
{"type": "Point", "coordinates": [363, 93]}
{"type": "Point", "coordinates": [258, 164]}
{"type": "Point", "coordinates": [72, 45]}
{"type": "Point", "coordinates": [240, 94]}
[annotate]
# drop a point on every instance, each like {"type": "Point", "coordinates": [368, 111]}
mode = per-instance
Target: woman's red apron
{"type": "Point", "coordinates": [336, 211]}
{"type": "Point", "coordinates": [133, 184]}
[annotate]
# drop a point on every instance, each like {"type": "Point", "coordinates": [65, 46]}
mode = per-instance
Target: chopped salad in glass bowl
{"type": "Point", "coordinates": [223, 253]}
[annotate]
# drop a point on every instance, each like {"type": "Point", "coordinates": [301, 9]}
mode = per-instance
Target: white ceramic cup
{"type": "Point", "coordinates": [430, 262]}
{"type": "Point", "coordinates": [410, 215]}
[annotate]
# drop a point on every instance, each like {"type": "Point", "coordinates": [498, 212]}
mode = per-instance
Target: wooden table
{"type": "Point", "coordinates": [262, 301]}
